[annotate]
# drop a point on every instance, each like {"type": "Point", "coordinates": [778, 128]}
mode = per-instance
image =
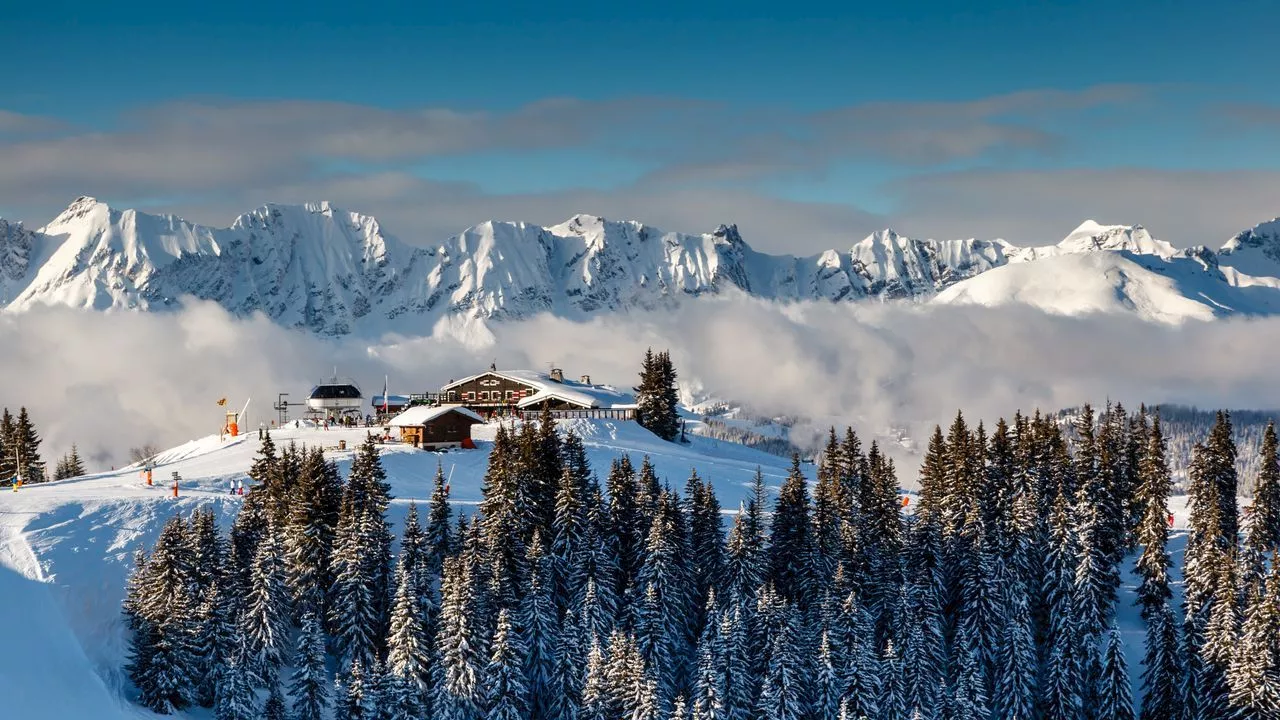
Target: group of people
{"type": "Point", "coordinates": [348, 421]}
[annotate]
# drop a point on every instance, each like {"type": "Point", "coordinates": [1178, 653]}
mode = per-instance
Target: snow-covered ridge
{"type": "Point", "coordinates": [334, 272]}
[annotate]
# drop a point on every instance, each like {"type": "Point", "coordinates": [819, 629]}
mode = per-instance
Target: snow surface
{"type": "Point", "coordinates": [423, 414]}
{"type": "Point", "coordinates": [334, 272]}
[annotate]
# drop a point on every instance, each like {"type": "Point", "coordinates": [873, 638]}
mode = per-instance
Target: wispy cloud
{"type": "Point", "coordinates": [14, 124]}
{"type": "Point", "coordinates": [711, 163]}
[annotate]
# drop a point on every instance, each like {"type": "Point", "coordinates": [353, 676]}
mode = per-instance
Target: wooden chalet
{"type": "Point", "coordinates": [527, 392]}
{"type": "Point", "coordinates": [436, 427]}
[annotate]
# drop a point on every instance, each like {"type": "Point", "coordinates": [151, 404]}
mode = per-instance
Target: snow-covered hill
{"type": "Point", "coordinates": [66, 547]}
{"type": "Point", "coordinates": [1122, 269]}
{"type": "Point", "coordinates": [334, 272]}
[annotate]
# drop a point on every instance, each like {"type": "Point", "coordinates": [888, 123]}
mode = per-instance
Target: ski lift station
{"type": "Point", "coordinates": [335, 397]}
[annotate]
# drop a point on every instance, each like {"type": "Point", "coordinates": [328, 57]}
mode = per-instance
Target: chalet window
{"type": "Point", "coordinates": [511, 395]}
{"type": "Point", "coordinates": [469, 396]}
{"type": "Point", "coordinates": [453, 396]}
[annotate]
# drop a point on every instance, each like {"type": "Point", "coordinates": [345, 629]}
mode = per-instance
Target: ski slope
{"type": "Point", "coordinates": [66, 547]}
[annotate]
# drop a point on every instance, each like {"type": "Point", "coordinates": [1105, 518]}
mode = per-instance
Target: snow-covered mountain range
{"type": "Point", "coordinates": [335, 272]}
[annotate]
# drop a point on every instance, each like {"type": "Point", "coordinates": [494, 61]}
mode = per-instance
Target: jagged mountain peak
{"type": "Point", "coordinates": [81, 209]}
{"type": "Point", "coordinates": [729, 234]}
{"type": "Point", "coordinates": [883, 235]}
{"type": "Point", "coordinates": [1260, 235]}
{"type": "Point", "coordinates": [1092, 236]}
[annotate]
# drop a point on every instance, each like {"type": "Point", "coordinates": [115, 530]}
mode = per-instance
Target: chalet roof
{"type": "Point", "coordinates": [422, 414]}
{"type": "Point", "coordinates": [571, 391]}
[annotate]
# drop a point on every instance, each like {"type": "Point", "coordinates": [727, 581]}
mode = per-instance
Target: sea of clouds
{"type": "Point", "coordinates": [112, 381]}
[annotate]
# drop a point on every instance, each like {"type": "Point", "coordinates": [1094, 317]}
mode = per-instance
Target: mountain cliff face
{"type": "Point", "coordinates": [334, 272]}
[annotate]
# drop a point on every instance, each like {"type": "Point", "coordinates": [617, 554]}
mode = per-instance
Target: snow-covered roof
{"type": "Point", "coordinates": [391, 400]}
{"type": "Point", "coordinates": [423, 414]}
{"type": "Point", "coordinates": [571, 391]}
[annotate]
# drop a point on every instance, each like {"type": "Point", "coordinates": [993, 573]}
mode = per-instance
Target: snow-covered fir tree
{"type": "Point", "coordinates": [656, 396]}
{"type": "Point", "coordinates": [1254, 675]}
{"type": "Point", "coordinates": [1115, 700]}
{"type": "Point", "coordinates": [274, 708]}
{"type": "Point", "coordinates": [236, 699]}
{"type": "Point", "coordinates": [1264, 525]}
{"type": "Point", "coordinates": [70, 465]}
{"type": "Point", "coordinates": [361, 562]}
{"type": "Point", "coordinates": [309, 685]}
{"type": "Point", "coordinates": [507, 694]}
{"type": "Point", "coordinates": [459, 647]}
{"type": "Point", "coordinates": [164, 664]}
{"type": "Point", "coordinates": [264, 618]}
{"type": "Point", "coordinates": [309, 536]}
{"type": "Point", "coordinates": [790, 538]}
{"type": "Point", "coordinates": [408, 646]}
{"type": "Point", "coordinates": [537, 618]}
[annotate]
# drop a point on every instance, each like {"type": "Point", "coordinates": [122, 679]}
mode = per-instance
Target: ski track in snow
{"type": "Point", "coordinates": [66, 547]}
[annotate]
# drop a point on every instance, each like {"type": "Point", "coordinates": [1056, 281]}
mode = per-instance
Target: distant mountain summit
{"type": "Point", "coordinates": [334, 272]}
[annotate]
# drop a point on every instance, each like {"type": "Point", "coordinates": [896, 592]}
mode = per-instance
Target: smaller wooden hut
{"type": "Point", "coordinates": [435, 427]}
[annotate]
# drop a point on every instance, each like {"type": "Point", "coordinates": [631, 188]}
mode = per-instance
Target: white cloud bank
{"type": "Point", "coordinates": [111, 381]}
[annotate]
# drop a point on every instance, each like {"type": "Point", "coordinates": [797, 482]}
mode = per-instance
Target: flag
{"type": "Point", "coordinates": [223, 401]}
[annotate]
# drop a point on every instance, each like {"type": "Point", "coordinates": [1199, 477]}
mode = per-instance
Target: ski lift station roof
{"type": "Point", "coordinates": [340, 394]}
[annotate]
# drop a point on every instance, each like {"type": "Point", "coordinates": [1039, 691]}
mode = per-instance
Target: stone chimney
{"type": "Point", "coordinates": [557, 375]}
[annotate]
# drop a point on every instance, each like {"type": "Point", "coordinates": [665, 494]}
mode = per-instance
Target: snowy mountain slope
{"type": "Point", "coordinates": [1119, 283]}
{"type": "Point", "coordinates": [333, 272]}
{"type": "Point", "coordinates": [72, 542]}
{"type": "Point", "coordinates": [1255, 251]}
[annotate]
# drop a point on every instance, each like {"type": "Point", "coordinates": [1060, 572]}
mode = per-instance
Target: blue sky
{"type": "Point", "coordinates": [809, 125]}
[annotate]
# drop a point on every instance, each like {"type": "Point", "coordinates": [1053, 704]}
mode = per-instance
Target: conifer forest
{"type": "Point", "coordinates": [608, 593]}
